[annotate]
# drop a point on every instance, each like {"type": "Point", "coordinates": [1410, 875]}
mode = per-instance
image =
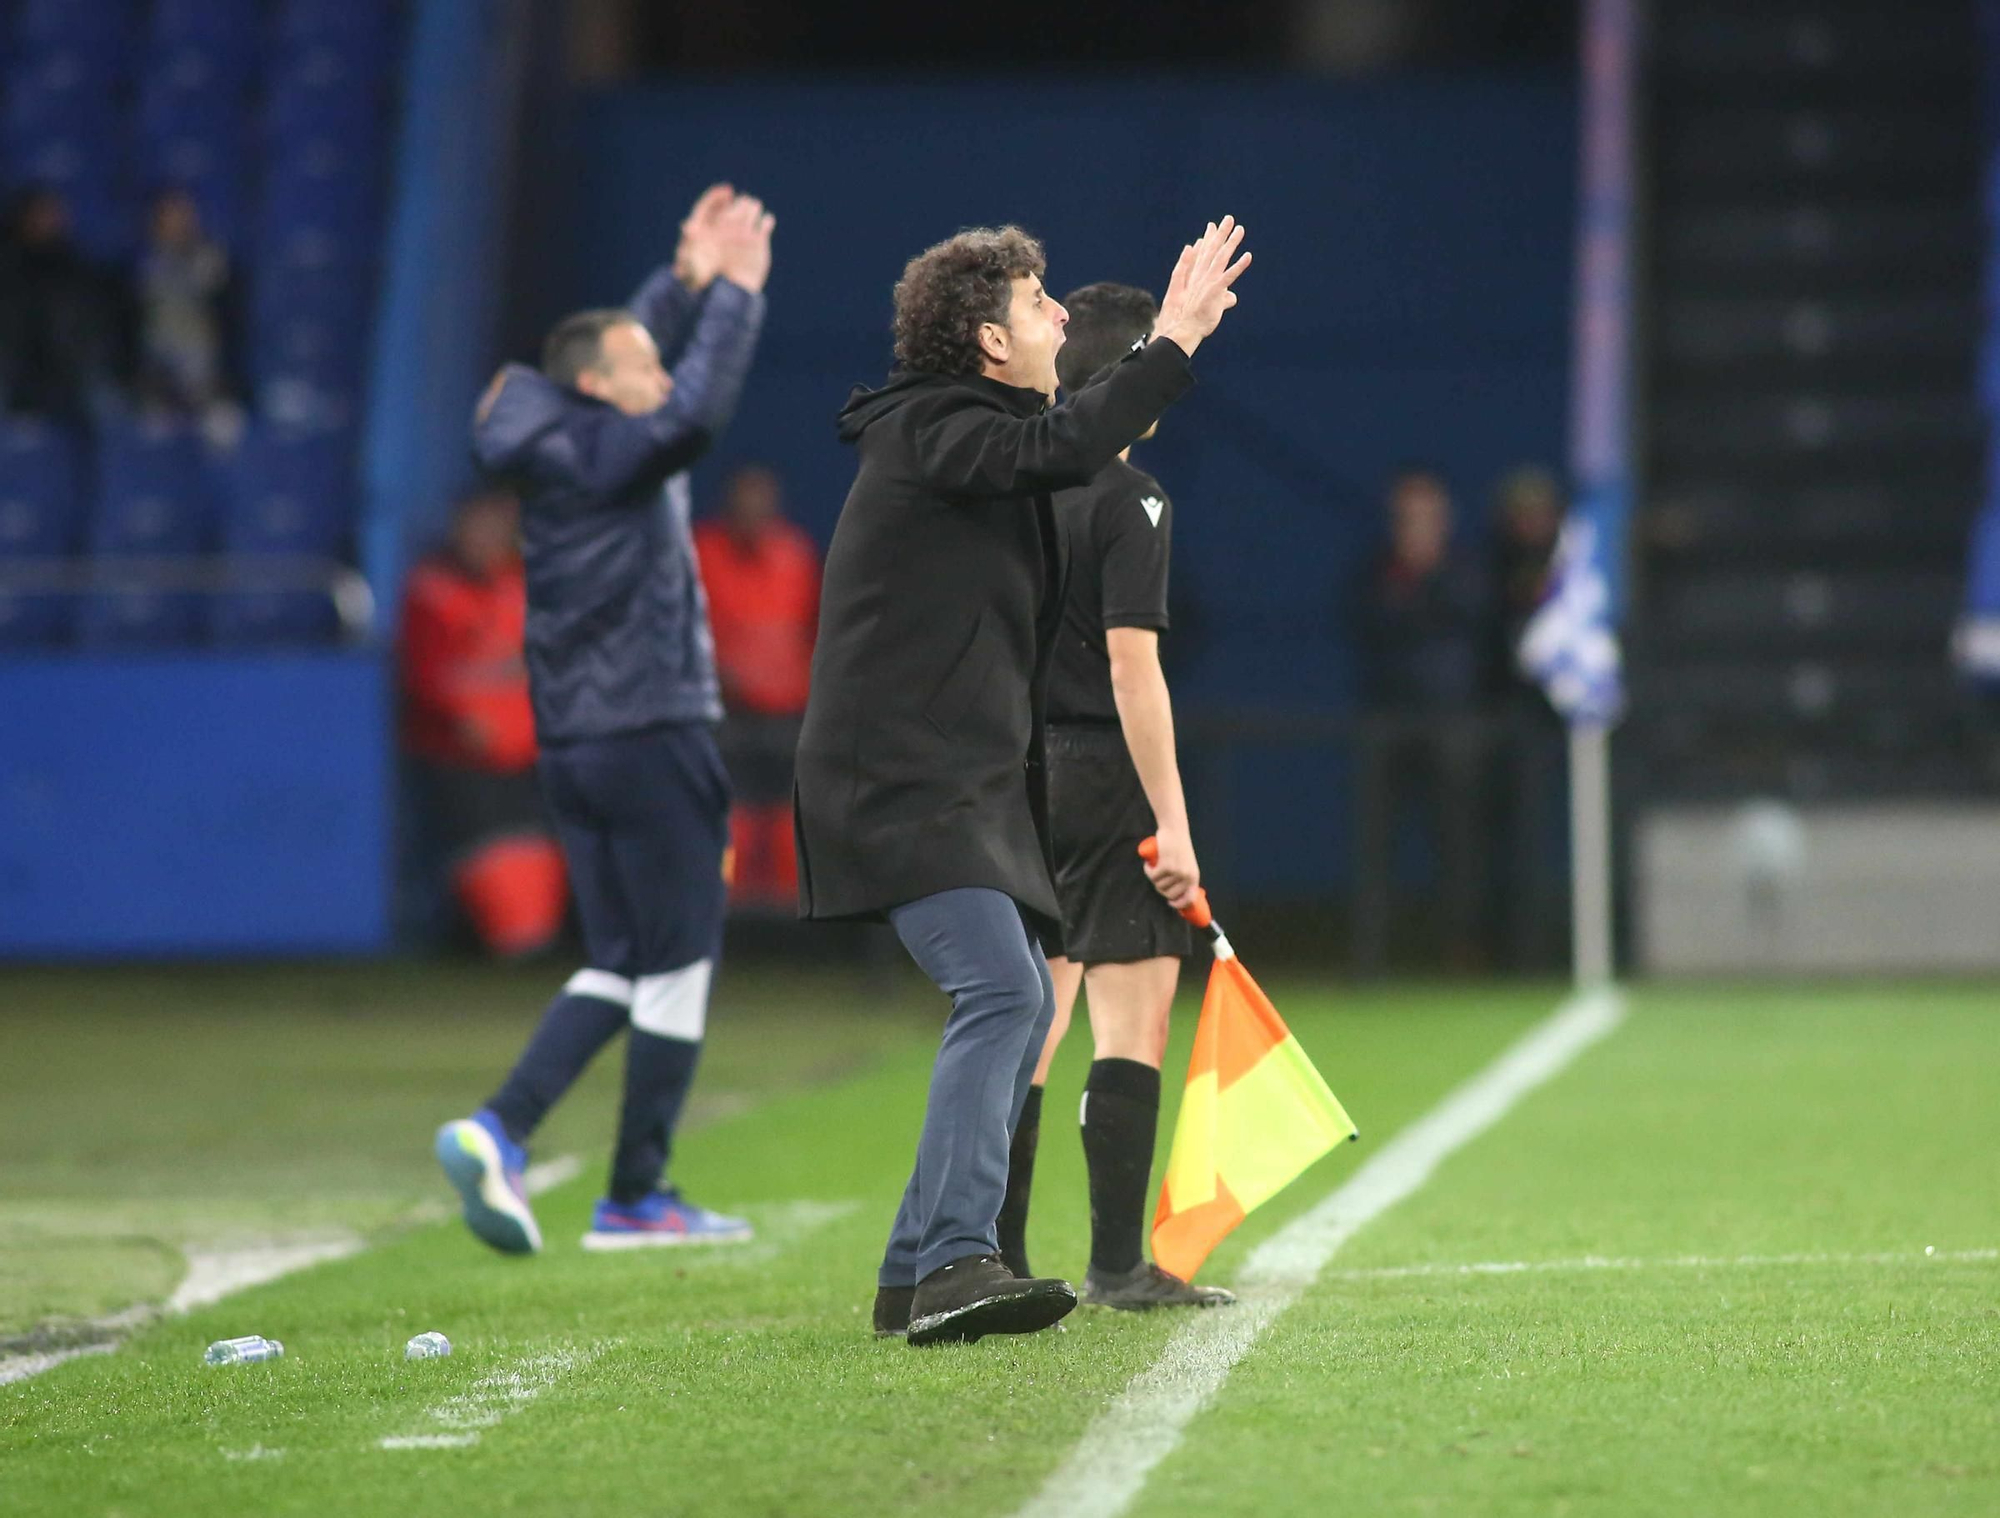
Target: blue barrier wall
{"type": "Point", "coordinates": [202, 804]}
{"type": "Point", "coordinates": [1410, 300]}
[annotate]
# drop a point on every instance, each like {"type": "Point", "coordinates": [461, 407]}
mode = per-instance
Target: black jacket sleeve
{"type": "Point", "coordinates": [981, 451]}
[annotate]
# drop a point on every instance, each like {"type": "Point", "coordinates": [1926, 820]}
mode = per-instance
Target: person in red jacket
{"type": "Point", "coordinates": [469, 731]}
{"type": "Point", "coordinates": [762, 575]}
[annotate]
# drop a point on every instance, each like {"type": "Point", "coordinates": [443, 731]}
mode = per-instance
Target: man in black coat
{"type": "Point", "coordinates": [920, 792]}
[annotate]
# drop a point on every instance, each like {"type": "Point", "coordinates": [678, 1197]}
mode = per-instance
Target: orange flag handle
{"type": "Point", "coordinates": [1197, 911]}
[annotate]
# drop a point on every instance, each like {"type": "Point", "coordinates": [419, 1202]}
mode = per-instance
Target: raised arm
{"type": "Point", "coordinates": [615, 451]}
{"type": "Point", "coordinates": [981, 451]}
{"type": "Point", "coordinates": [665, 304]}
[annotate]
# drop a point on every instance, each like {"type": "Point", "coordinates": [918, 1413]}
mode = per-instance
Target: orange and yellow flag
{"type": "Point", "coordinates": [1255, 1115]}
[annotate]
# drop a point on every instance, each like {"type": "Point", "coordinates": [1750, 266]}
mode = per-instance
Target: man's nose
{"type": "Point", "coordinates": [1062, 314]}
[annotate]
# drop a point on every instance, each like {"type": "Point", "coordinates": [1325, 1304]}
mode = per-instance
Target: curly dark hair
{"type": "Point", "coordinates": [948, 290]}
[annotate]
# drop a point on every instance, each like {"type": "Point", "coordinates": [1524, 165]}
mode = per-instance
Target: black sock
{"type": "Point", "coordinates": [658, 1072]}
{"type": "Point", "coordinates": [1020, 1180]}
{"type": "Point", "coordinates": [569, 1036]}
{"type": "Point", "coordinates": [1121, 1116]}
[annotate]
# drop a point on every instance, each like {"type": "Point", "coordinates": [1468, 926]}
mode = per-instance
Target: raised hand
{"type": "Point", "coordinates": [696, 258]}
{"type": "Point", "coordinates": [1200, 289]}
{"type": "Point", "coordinates": [743, 242]}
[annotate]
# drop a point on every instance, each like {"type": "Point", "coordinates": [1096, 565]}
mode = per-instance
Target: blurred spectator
{"type": "Point", "coordinates": [185, 300]}
{"type": "Point", "coordinates": [470, 733]}
{"type": "Point", "coordinates": [1527, 516]}
{"type": "Point", "coordinates": [1425, 639]}
{"type": "Point", "coordinates": [1528, 508]}
{"type": "Point", "coordinates": [762, 575]}
{"type": "Point", "coordinates": [64, 327]}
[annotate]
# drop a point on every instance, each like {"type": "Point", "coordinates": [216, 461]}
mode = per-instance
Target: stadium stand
{"type": "Point", "coordinates": [1814, 439]}
{"type": "Point", "coordinates": [275, 117]}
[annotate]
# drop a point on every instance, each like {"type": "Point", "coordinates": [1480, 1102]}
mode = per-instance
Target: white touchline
{"type": "Point", "coordinates": [1119, 1450]}
{"type": "Point", "coordinates": [493, 1396]}
{"type": "Point", "coordinates": [215, 1273]}
{"type": "Point", "coordinates": [1663, 1262]}
{"type": "Point", "coordinates": [20, 1367]}
{"type": "Point", "coordinates": [218, 1271]}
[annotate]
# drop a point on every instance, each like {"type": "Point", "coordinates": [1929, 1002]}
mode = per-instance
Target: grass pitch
{"type": "Point", "coordinates": [1688, 1276]}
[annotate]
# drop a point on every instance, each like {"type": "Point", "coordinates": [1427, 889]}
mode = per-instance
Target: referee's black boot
{"type": "Point", "coordinates": [1146, 1286]}
{"type": "Point", "coordinates": [977, 1295]}
{"type": "Point", "coordinates": [892, 1311]}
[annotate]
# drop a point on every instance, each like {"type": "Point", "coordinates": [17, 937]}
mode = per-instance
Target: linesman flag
{"type": "Point", "coordinates": [1254, 1116]}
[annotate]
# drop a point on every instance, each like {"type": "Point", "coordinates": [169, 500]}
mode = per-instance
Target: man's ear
{"type": "Point", "coordinates": [995, 341]}
{"type": "Point", "coordinates": [591, 383]}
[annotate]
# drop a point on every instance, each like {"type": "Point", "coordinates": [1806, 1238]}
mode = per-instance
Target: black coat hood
{"type": "Point", "coordinates": [865, 407]}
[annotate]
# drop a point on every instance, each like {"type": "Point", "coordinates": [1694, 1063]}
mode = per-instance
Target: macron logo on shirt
{"type": "Point", "coordinates": [1154, 506]}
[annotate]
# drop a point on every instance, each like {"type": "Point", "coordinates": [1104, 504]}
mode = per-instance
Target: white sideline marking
{"type": "Point", "coordinates": [216, 1273]}
{"type": "Point", "coordinates": [492, 1397]}
{"type": "Point", "coordinates": [20, 1367]}
{"type": "Point", "coordinates": [213, 1274]}
{"type": "Point", "coordinates": [550, 1174]}
{"type": "Point", "coordinates": [255, 1452]}
{"type": "Point", "coordinates": [1665, 1262]}
{"type": "Point", "coordinates": [1119, 1450]}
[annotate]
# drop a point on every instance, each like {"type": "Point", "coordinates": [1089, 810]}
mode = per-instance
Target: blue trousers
{"type": "Point", "coordinates": [974, 944]}
{"type": "Point", "coordinates": [644, 819]}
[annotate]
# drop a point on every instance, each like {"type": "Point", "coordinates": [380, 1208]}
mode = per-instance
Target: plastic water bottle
{"type": "Point", "coordinates": [430, 1346]}
{"type": "Point", "coordinates": [247, 1350]}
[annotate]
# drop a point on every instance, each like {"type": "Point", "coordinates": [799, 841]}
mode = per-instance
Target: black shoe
{"type": "Point", "coordinates": [1146, 1286]}
{"type": "Point", "coordinates": [892, 1311]}
{"type": "Point", "coordinates": [1016, 1262]}
{"type": "Point", "coordinates": [977, 1295]}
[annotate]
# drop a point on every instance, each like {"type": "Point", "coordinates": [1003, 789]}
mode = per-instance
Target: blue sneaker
{"type": "Point", "coordinates": [485, 1165]}
{"type": "Point", "coordinates": [661, 1219]}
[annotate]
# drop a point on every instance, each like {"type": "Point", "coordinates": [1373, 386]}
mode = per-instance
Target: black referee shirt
{"type": "Point", "coordinates": [1121, 528]}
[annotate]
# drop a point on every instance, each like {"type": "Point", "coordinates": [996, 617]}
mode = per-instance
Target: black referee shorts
{"type": "Point", "coordinates": [1098, 813]}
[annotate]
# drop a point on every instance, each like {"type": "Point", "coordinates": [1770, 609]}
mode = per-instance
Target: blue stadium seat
{"type": "Point", "coordinates": [322, 344]}
{"type": "Point", "coordinates": [41, 502]}
{"type": "Point", "coordinates": [125, 613]}
{"type": "Point", "coordinates": [37, 105]}
{"type": "Point", "coordinates": [210, 170]}
{"type": "Point", "coordinates": [271, 618]}
{"type": "Point", "coordinates": [168, 108]}
{"type": "Point", "coordinates": [300, 21]}
{"type": "Point", "coordinates": [325, 93]}
{"type": "Point", "coordinates": [101, 25]}
{"type": "Point", "coordinates": [217, 40]}
{"type": "Point", "coordinates": [306, 223]}
{"type": "Point", "coordinates": [40, 519]}
{"type": "Point", "coordinates": [153, 492]}
{"type": "Point", "coordinates": [289, 491]}
{"type": "Point", "coordinates": [32, 620]}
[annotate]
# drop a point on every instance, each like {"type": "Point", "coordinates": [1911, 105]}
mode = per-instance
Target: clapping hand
{"type": "Point", "coordinates": [725, 234]}
{"type": "Point", "coordinates": [695, 259]}
{"type": "Point", "coordinates": [1201, 287]}
{"type": "Point", "coordinates": [743, 242]}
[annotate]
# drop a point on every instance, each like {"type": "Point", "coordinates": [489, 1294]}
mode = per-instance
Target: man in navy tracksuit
{"type": "Point", "coordinates": [622, 670]}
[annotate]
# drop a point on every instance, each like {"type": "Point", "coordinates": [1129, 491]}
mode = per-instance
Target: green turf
{"type": "Point", "coordinates": [1716, 1124]}
{"type": "Point", "coordinates": [143, 1109]}
{"type": "Point", "coordinates": [1720, 1123]}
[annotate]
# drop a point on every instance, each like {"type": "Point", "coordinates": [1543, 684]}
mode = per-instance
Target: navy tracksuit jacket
{"type": "Point", "coordinates": [621, 664]}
